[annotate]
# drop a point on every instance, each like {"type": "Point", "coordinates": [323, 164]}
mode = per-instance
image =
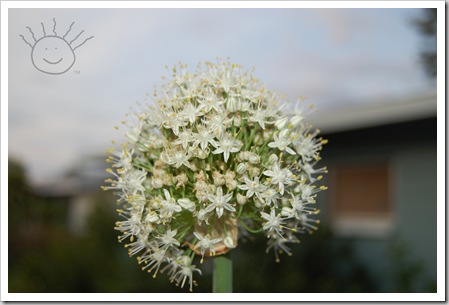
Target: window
{"type": "Point", "coordinates": [361, 204]}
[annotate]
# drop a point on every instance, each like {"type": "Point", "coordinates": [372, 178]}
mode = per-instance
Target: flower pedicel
{"type": "Point", "coordinates": [216, 156]}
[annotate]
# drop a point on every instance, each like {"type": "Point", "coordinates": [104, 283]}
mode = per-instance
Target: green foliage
{"type": "Point", "coordinates": [408, 272]}
{"type": "Point", "coordinates": [318, 265]}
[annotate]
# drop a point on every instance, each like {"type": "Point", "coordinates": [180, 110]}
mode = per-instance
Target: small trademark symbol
{"type": "Point", "coordinates": [76, 71]}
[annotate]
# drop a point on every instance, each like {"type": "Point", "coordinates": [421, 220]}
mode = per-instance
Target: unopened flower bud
{"type": "Point", "coordinates": [228, 242]}
{"type": "Point", "coordinates": [280, 123]}
{"type": "Point", "coordinates": [241, 168]}
{"type": "Point", "coordinates": [254, 159]}
{"type": "Point", "coordinates": [187, 204]}
{"type": "Point", "coordinates": [241, 199]}
{"type": "Point", "coordinates": [273, 159]}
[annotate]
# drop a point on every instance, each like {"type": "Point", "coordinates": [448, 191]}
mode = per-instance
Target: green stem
{"type": "Point", "coordinates": [222, 277]}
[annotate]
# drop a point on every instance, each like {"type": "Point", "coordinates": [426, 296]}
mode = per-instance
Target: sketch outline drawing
{"type": "Point", "coordinates": [53, 54]}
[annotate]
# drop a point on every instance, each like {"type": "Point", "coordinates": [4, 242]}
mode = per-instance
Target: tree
{"type": "Point", "coordinates": [427, 26]}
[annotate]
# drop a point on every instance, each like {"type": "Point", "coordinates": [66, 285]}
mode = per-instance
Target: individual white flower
{"type": "Point", "coordinates": [140, 244]}
{"type": "Point", "coordinates": [310, 171]}
{"type": "Point", "coordinates": [204, 137]}
{"type": "Point", "coordinates": [132, 182]}
{"type": "Point", "coordinates": [205, 243]}
{"type": "Point", "coordinates": [252, 187]}
{"type": "Point", "coordinates": [176, 157]}
{"type": "Point", "coordinates": [151, 217]}
{"type": "Point", "coordinates": [279, 245]}
{"type": "Point", "coordinates": [123, 159]}
{"type": "Point", "coordinates": [273, 223]}
{"type": "Point", "coordinates": [219, 202]}
{"type": "Point", "coordinates": [174, 121]}
{"type": "Point", "coordinates": [134, 134]}
{"type": "Point", "coordinates": [169, 206]}
{"type": "Point", "coordinates": [202, 215]}
{"type": "Point", "coordinates": [185, 137]}
{"type": "Point", "coordinates": [190, 113]}
{"type": "Point", "coordinates": [280, 176]}
{"type": "Point", "coordinates": [260, 116]}
{"type": "Point", "coordinates": [308, 146]}
{"type": "Point", "coordinates": [308, 224]}
{"type": "Point", "coordinates": [130, 227]}
{"type": "Point", "coordinates": [218, 122]}
{"type": "Point", "coordinates": [168, 239]}
{"type": "Point", "coordinates": [281, 141]}
{"type": "Point", "coordinates": [185, 272]}
{"type": "Point", "coordinates": [209, 101]}
{"type": "Point", "coordinates": [270, 196]}
{"type": "Point", "coordinates": [153, 260]}
{"type": "Point", "coordinates": [307, 192]}
{"type": "Point", "coordinates": [227, 144]}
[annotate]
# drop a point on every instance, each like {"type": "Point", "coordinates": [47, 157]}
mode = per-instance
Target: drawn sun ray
{"type": "Point", "coordinates": [63, 37]}
{"type": "Point", "coordinates": [32, 34]}
{"type": "Point", "coordinates": [53, 54]}
{"type": "Point", "coordinates": [54, 26]}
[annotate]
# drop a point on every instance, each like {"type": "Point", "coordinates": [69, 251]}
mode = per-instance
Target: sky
{"type": "Point", "coordinates": [338, 58]}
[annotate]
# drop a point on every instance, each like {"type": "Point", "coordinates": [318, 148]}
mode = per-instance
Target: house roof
{"type": "Point", "coordinates": [375, 114]}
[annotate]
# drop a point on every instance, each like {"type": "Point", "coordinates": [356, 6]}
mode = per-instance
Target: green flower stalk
{"type": "Point", "coordinates": [214, 157]}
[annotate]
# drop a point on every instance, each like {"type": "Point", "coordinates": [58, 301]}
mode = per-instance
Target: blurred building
{"type": "Point", "coordinates": [382, 161]}
{"type": "Point", "coordinates": [78, 186]}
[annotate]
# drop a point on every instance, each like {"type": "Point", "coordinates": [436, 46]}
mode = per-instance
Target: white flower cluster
{"type": "Point", "coordinates": [212, 159]}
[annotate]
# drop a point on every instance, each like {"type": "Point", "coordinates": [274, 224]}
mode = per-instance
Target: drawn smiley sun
{"type": "Point", "coordinates": [53, 54]}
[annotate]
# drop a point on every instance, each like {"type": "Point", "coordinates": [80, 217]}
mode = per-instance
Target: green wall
{"type": "Point", "coordinates": [406, 259]}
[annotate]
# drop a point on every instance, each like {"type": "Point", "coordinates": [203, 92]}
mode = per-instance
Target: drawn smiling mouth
{"type": "Point", "coordinates": [53, 62]}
